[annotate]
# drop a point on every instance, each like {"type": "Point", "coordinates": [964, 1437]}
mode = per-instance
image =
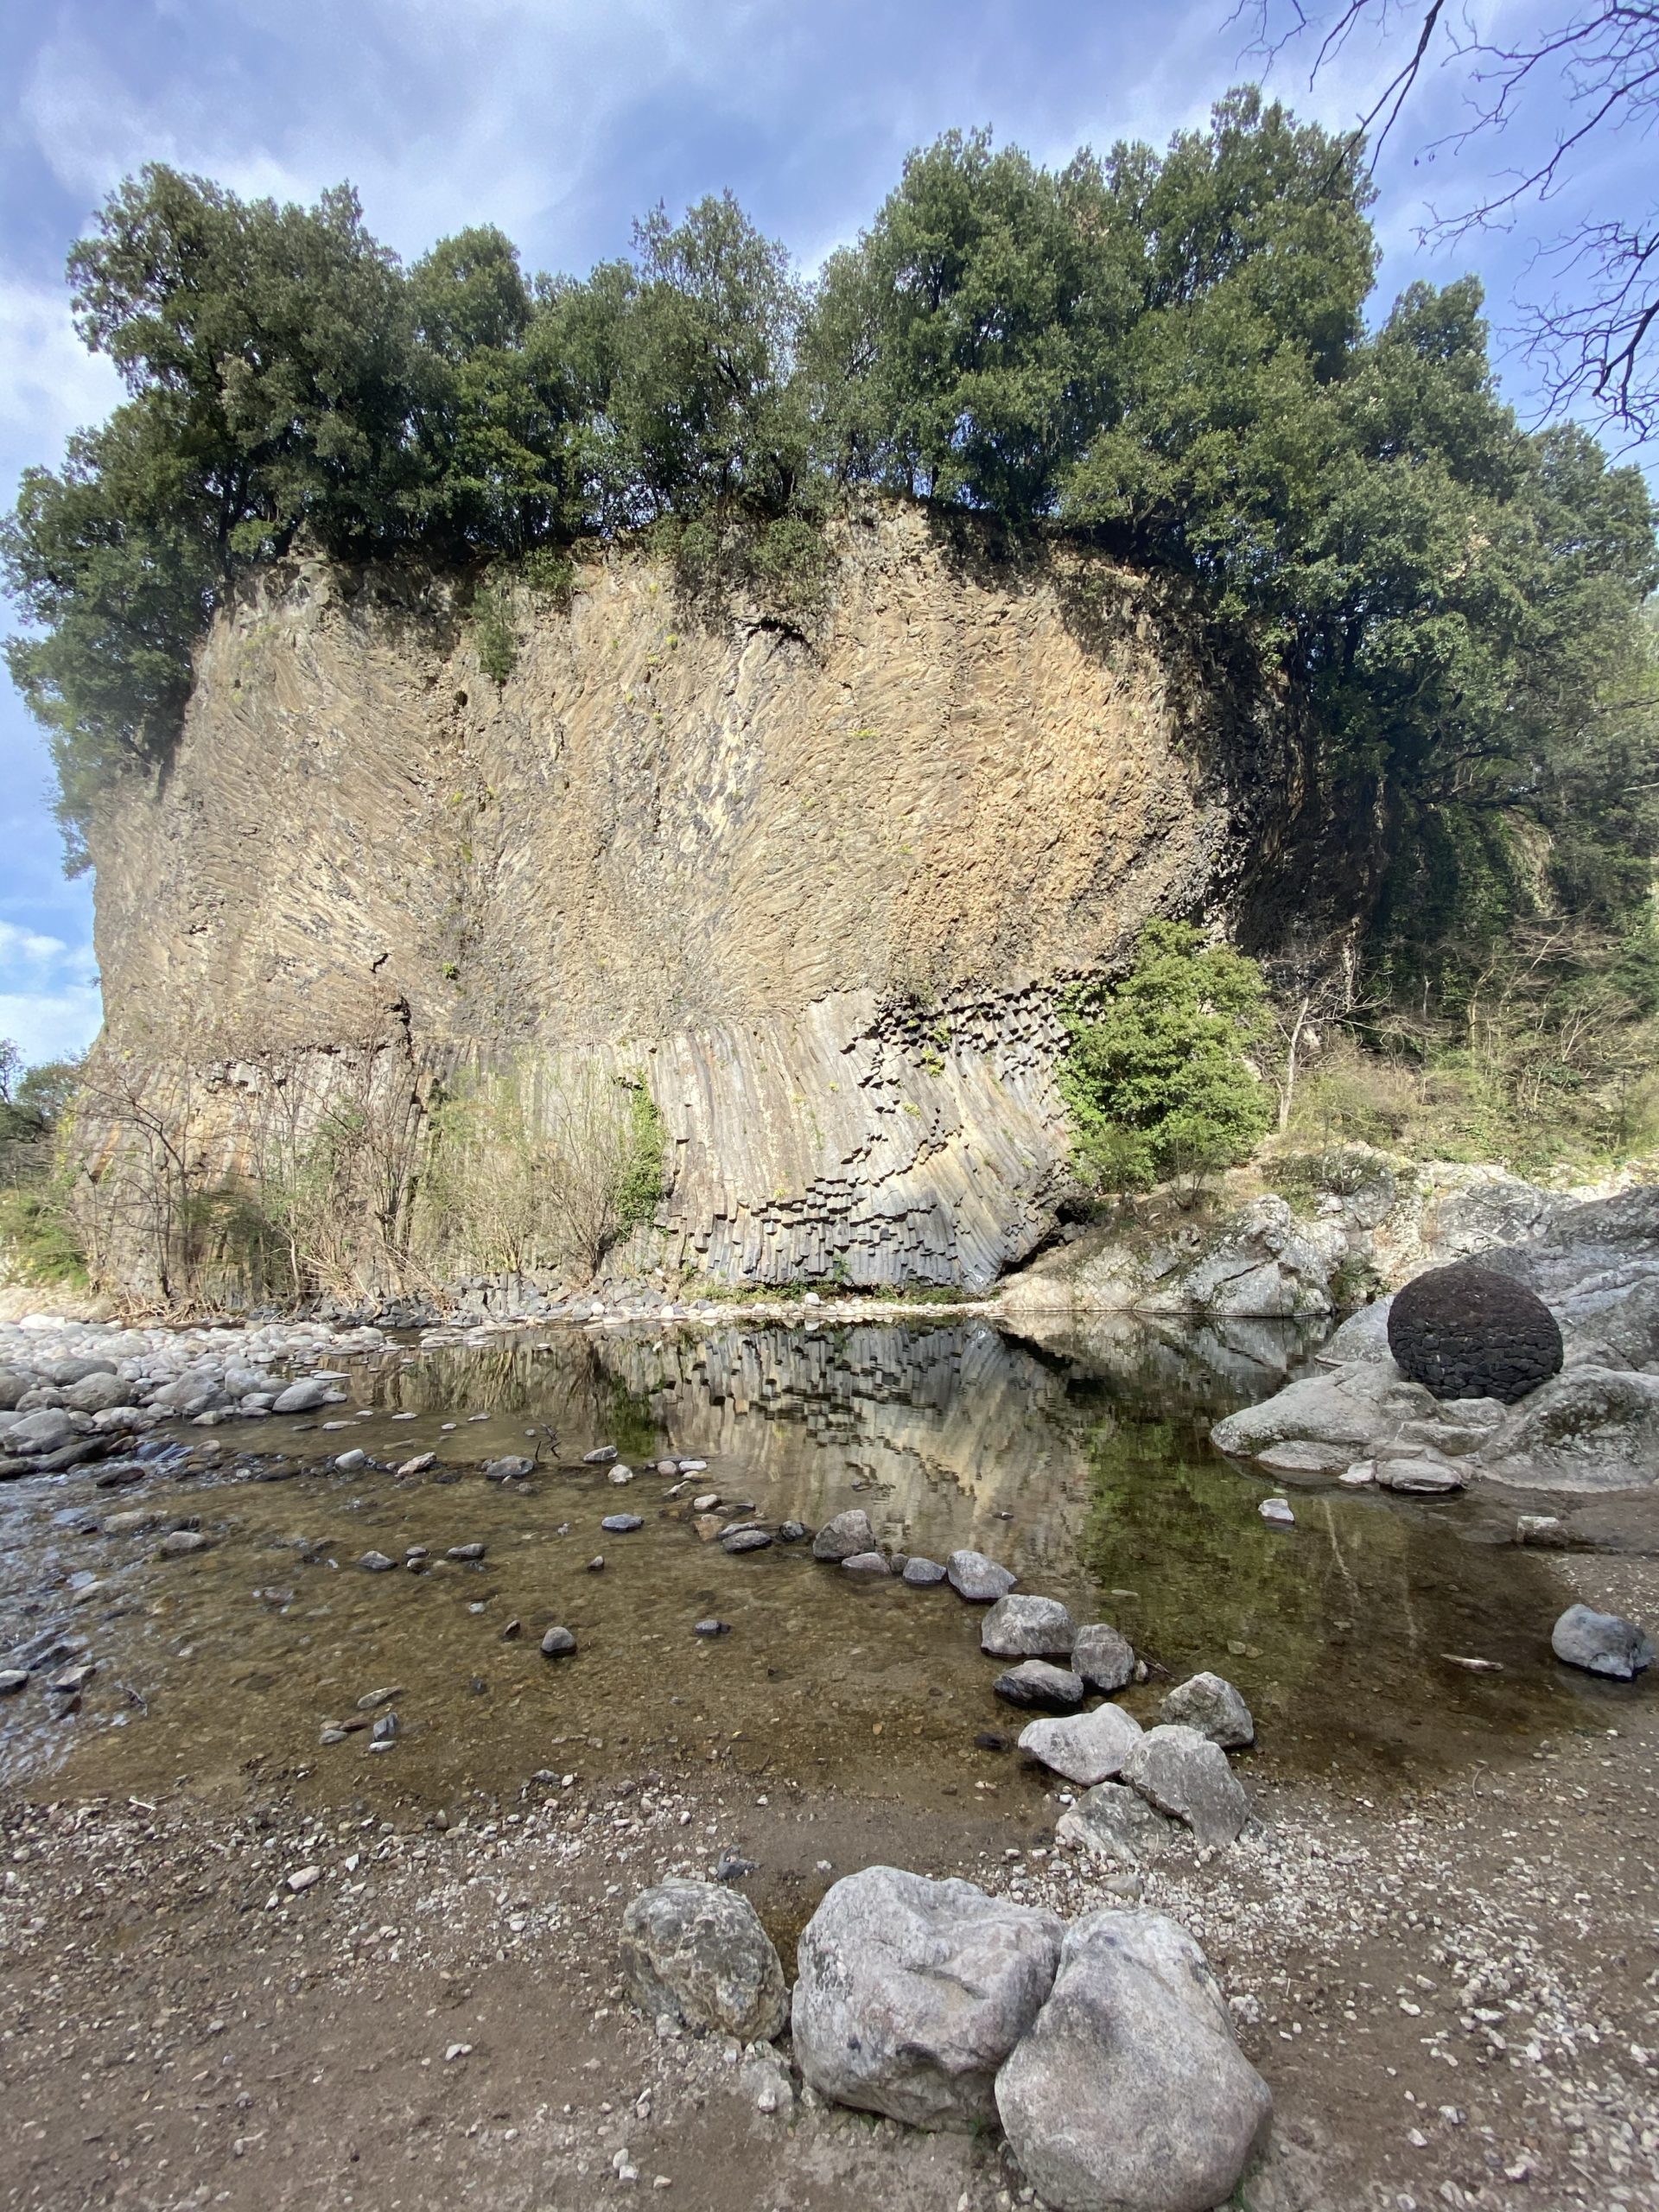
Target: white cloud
{"type": "Point", "coordinates": [50, 384]}
{"type": "Point", "coordinates": [49, 1001]}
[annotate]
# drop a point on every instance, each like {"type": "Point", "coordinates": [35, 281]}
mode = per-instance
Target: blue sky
{"type": "Point", "coordinates": [561, 120]}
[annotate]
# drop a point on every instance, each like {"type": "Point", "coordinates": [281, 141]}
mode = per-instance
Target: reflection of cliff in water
{"type": "Point", "coordinates": [1210, 1366]}
{"type": "Point", "coordinates": [932, 1420]}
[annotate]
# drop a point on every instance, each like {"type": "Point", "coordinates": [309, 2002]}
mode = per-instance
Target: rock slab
{"type": "Point", "coordinates": [913, 1993]}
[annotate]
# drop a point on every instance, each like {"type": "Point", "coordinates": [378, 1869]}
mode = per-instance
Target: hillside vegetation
{"type": "Point", "coordinates": [1174, 357]}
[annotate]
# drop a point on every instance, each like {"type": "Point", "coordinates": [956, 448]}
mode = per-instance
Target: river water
{"type": "Point", "coordinates": [1082, 1461]}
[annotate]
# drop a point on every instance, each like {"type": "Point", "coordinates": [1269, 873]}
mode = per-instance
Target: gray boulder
{"type": "Point", "coordinates": [697, 1951]}
{"type": "Point", "coordinates": [1602, 1644]}
{"type": "Point", "coordinates": [1104, 1658]}
{"type": "Point", "coordinates": [1129, 2094]}
{"type": "Point", "coordinates": [182, 1542]}
{"type": "Point", "coordinates": [93, 1393]}
{"type": "Point", "coordinates": [979, 1580]}
{"type": "Point", "coordinates": [911, 1993]}
{"type": "Point", "coordinates": [45, 1431]}
{"type": "Point", "coordinates": [845, 1536]}
{"type": "Point", "coordinates": [866, 1563]}
{"type": "Point", "coordinates": [1027, 1628]}
{"type": "Point", "coordinates": [1114, 1823]}
{"type": "Point", "coordinates": [1590, 1428]}
{"type": "Point", "coordinates": [1184, 1774]}
{"type": "Point", "coordinates": [1210, 1704]}
{"type": "Point", "coordinates": [923, 1573]}
{"type": "Point", "coordinates": [1088, 1748]}
{"type": "Point", "coordinates": [14, 1383]}
{"type": "Point", "coordinates": [305, 1397]}
{"type": "Point", "coordinates": [1363, 1336]}
{"type": "Point", "coordinates": [1035, 1682]}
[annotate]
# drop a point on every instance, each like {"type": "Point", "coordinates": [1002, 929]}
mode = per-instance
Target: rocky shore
{"type": "Point", "coordinates": [1449, 1993]}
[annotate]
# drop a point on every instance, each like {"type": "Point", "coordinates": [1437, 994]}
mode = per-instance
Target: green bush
{"type": "Point", "coordinates": [1156, 1074]}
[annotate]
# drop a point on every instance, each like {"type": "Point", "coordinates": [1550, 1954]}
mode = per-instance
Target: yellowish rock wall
{"type": "Point", "coordinates": [819, 885]}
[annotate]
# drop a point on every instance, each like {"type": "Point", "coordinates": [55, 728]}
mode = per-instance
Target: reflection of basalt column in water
{"type": "Point", "coordinates": [913, 1411]}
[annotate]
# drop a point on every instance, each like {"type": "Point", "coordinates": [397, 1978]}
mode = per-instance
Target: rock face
{"type": "Point", "coordinates": [1592, 1428]}
{"type": "Point", "coordinates": [756, 866]}
{"type": "Point", "coordinates": [1130, 2093]}
{"type": "Point", "coordinates": [1464, 1331]}
{"type": "Point", "coordinates": [1602, 1644]}
{"type": "Point", "coordinates": [1261, 1264]}
{"type": "Point", "coordinates": [697, 1951]}
{"type": "Point", "coordinates": [913, 1993]}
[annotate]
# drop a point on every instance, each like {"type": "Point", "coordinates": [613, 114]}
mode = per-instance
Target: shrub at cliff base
{"type": "Point", "coordinates": [1156, 1074]}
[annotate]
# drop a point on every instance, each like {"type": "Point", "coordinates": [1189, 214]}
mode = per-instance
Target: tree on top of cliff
{"type": "Point", "coordinates": [1164, 357]}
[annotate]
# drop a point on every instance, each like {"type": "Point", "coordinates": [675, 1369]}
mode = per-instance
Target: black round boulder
{"type": "Point", "coordinates": [1465, 1333]}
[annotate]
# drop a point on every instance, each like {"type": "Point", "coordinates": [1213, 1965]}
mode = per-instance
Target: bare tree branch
{"type": "Point", "coordinates": [1594, 336]}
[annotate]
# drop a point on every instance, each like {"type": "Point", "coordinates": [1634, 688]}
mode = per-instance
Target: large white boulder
{"type": "Point", "coordinates": [912, 1992]}
{"type": "Point", "coordinates": [1129, 2093]}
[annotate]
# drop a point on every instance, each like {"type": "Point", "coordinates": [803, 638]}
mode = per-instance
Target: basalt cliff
{"type": "Point", "coordinates": [820, 887]}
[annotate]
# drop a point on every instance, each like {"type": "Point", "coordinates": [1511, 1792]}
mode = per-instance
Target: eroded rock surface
{"type": "Point", "coordinates": [696, 1951]}
{"type": "Point", "coordinates": [913, 1993]}
{"type": "Point", "coordinates": [1130, 2093]}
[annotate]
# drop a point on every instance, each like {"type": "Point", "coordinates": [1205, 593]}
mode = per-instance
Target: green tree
{"type": "Point", "coordinates": [1156, 1074]}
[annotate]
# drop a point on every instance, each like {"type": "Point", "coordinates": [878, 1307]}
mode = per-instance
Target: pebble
{"type": "Point", "coordinates": [182, 1542]}
{"type": "Point", "coordinates": [15, 1678]}
{"type": "Point", "coordinates": [372, 1700]}
{"type": "Point", "coordinates": [599, 1455]}
{"type": "Point", "coordinates": [923, 1573]}
{"type": "Point", "coordinates": [1277, 1510]}
{"type": "Point", "coordinates": [707, 1503]}
{"type": "Point", "coordinates": [347, 1463]}
{"type": "Point", "coordinates": [465, 1552]}
{"type": "Point", "coordinates": [620, 1475]}
{"type": "Point", "coordinates": [556, 1642]}
{"type": "Point", "coordinates": [419, 1463]}
{"type": "Point", "coordinates": [621, 1525]}
{"type": "Point", "coordinates": [304, 1878]}
{"type": "Point", "coordinates": [710, 1627]}
{"type": "Point", "coordinates": [596, 1565]}
{"type": "Point", "coordinates": [374, 1563]}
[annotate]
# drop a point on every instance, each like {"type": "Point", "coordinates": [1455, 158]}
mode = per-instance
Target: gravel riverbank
{"type": "Point", "coordinates": [210, 2001]}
